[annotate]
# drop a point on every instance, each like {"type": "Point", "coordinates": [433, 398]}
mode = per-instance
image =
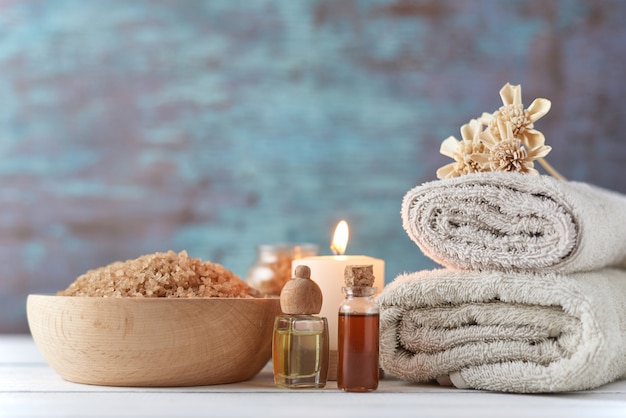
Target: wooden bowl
{"type": "Point", "coordinates": [153, 341]}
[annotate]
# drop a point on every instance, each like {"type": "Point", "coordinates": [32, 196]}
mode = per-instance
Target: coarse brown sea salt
{"type": "Point", "coordinates": [169, 274]}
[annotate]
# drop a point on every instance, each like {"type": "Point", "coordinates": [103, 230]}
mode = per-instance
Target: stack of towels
{"type": "Point", "coordinates": [533, 294]}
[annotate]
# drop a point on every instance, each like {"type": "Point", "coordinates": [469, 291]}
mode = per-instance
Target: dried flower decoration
{"type": "Point", "coordinates": [509, 141]}
{"type": "Point", "coordinates": [522, 120]}
{"type": "Point", "coordinates": [508, 152]}
{"type": "Point", "coordinates": [464, 152]}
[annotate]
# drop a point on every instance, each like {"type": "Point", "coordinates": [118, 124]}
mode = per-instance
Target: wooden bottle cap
{"type": "Point", "coordinates": [301, 295]}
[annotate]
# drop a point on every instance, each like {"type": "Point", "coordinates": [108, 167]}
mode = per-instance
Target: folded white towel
{"type": "Point", "coordinates": [503, 221]}
{"type": "Point", "coordinates": [511, 332]}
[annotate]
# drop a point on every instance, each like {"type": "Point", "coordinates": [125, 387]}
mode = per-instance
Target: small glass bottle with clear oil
{"type": "Point", "coordinates": [358, 329]}
{"type": "Point", "coordinates": [300, 343]}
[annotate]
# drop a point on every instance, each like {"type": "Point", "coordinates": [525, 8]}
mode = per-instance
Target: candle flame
{"type": "Point", "coordinates": [340, 238]}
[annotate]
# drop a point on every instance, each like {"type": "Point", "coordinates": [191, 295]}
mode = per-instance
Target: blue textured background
{"type": "Point", "coordinates": [128, 127]}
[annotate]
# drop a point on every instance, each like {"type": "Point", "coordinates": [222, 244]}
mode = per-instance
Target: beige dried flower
{"type": "Point", "coordinates": [508, 152]}
{"type": "Point", "coordinates": [522, 120]}
{"type": "Point", "coordinates": [463, 152]}
{"type": "Point", "coordinates": [509, 141]}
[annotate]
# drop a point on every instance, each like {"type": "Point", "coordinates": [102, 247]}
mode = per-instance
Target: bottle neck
{"type": "Point", "coordinates": [359, 291]}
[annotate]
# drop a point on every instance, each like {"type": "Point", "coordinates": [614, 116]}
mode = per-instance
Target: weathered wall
{"type": "Point", "coordinates": [128, 127]}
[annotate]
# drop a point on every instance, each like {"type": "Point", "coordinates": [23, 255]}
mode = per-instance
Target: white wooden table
{"type": "Point", "coordinates": [30, 388]}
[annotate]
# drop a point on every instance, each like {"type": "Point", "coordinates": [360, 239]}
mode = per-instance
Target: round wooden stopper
{"type": "Point", "coordinates": [301, 295]}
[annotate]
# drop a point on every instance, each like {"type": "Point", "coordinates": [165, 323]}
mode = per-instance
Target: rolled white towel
{"type": "Point", "coordinates": [504, 221]}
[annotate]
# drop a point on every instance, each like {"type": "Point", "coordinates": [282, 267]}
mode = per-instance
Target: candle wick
{"type": "Point", "coordinates": [335, 250]}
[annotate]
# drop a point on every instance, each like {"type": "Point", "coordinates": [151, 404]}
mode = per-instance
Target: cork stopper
{"type": "Point", "coordinates": [301, 295]}
{"type": "Point", "coordinates": [359, 276]}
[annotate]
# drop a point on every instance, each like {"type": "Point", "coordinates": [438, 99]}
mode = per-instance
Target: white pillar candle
{"type": "Point", "coordinates": [327, 272]}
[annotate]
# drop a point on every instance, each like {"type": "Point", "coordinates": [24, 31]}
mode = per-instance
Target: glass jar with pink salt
{"type": "Point", "coordinates": [272, 267]}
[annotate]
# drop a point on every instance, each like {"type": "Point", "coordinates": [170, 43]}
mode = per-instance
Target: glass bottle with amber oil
{"type": "Point", "coordinates": [300, 343]}
{"type": "Point", "coordinates": [358, 328]}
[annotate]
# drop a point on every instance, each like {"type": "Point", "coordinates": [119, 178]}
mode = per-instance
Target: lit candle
{"type": "Point", "coordinates": [327, 272]}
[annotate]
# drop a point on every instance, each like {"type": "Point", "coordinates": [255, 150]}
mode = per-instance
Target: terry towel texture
{"type": "Point", "coordinates": [513, 221]}
{"type": "Point", "coordinates": [510, 332]}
